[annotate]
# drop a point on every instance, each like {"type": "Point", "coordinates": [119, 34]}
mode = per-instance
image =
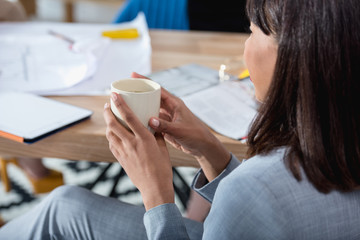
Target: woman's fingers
{"type": "Point", "coordinates": [164, 116]}
{"type": "Point", "coordinates": [113, 126]}
{"type": "Point", "coordinates": [165, 93]}
{"type": "Point", "coordinates": [168, 101]}
{"type": "Point", "coordinates": [162, 144]}
{"type": "Point", "coordinates": [128, 115]}
{"type": "Point", "coordinates": [172, 141]}
{"type": "Point", "coordinates": [114, 133]}
{"type": "Point", "coordinates": [136, 75]}
{"type": "Point", "coordinates": [160, 140]}
{"type": "Point", "coordinates": [160, 125]}
{"type": "Point", "coordinates": [115, 146]}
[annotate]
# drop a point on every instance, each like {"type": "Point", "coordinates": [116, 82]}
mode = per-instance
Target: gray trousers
{"type": "Point", "coordinates": [71, 212]}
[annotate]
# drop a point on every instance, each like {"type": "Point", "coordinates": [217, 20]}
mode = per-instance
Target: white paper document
{"type": "Point", "coordinates": [32, 64]}
{"type": "Point", "coordinates": [34, 61]}
{"type": "Point", "coordinates": [121, 58]}
{"type": "Point", "coordinates": [227, 108]}
{"type": "Point", "coordinates": [186, 79]}
{"type": "Point", "coordinates": [41, 62]}
{"type": "Point", "coordinates": [29, 117]}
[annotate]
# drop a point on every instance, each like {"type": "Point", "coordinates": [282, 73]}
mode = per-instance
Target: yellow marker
{"type": "Point", "coordinates": [244, 74]}
{"type": "Point", "coordinates": [122, 33]}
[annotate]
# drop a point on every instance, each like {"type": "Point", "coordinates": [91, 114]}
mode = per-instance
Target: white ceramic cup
{"type": "Point", "coordinates": [141, 95]}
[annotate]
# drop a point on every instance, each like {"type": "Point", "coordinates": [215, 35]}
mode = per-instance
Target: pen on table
{"type": "Point", "coordinates": [244, 74]}
{"type": "Point", "coordinates": [63, 37]}
{"type": "Point", "coordinates": [127, 33]}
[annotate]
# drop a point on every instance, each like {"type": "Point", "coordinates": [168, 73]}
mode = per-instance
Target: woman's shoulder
{"type": "Point", "coordinates": [262, 176]}
{"type": "Point", "coordinates": [267, 173]}
{"type": "Point", "coordinates": [263, 166]}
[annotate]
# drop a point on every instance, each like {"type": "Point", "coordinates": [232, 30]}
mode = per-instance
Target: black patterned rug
{"type": "Point", "coordinates": [102, 178]}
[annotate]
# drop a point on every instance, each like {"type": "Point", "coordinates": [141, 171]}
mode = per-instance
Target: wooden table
{"type": "Point", "coordinates": [87, 141]}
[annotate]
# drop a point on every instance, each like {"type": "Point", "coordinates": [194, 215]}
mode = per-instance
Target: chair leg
{"type": "Point", "coordinates": [116, 181]}
{"type": "Point", "coordinates": [4, 175]}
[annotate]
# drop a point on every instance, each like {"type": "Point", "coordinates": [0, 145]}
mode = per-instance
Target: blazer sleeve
{"type": "Point", "coordinates": [166, 222]}
{"type": "Point", "coordinates": [207, 189]}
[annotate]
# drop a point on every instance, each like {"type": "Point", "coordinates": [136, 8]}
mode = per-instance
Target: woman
{"type": "Point", "coordinates": [301, 180]}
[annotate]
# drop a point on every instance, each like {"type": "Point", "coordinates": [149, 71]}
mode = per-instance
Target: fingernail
{"type": "Point", "coordinates": [155, 122]}
{"type": "Point", "coordinates": [113, 96]}
{"type": "Point", "coordinates": [106, 105]}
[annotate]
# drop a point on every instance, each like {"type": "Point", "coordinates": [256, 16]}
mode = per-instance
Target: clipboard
{"type": "Point", "coordinates": [28, 118]}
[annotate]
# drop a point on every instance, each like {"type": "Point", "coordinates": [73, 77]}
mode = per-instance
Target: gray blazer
{"type": "Point", "coordinates": [260, 199]}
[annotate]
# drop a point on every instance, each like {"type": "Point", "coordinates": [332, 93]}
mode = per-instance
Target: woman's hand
{"type": "Point", "coordinates": [181, 127]}
{"type": "Point", "coordinates": [183, 130]}
{"type": "Point", "coordinates": [186, 132]}
{"type": "Point", "coordinates": [143, 156]}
